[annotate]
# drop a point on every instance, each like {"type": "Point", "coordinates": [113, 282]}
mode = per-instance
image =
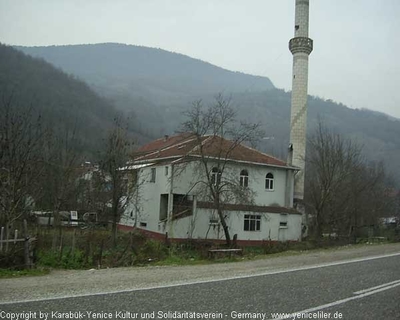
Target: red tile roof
{"type": "Point", "coordinates": [213, 146]}
{"type": "Point", "coordinates": [163, 143]}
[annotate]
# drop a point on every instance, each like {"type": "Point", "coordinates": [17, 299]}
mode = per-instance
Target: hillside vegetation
{"type": "Point", "coordinates": [156, 87]}
{"type": "Point", "coordinates": [61, 100]}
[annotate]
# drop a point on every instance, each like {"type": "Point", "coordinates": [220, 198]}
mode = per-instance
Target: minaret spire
{"type": "Point", "coordinates": [300, 46]}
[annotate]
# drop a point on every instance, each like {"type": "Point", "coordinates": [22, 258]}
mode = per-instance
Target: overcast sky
{"type": "Point", "coordinates": [356, 42]}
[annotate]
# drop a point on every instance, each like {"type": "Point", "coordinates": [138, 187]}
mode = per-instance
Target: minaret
{"type": "Point", "coordinates": [300, 46]}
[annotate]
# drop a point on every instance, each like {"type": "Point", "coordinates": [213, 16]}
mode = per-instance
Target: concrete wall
{"type": "Point", "coordinates": [198, 226]}
{"type": "Point", "coordinates": [184, 179]}
{"type": "Point", "coordinates": [145, 203]}
{"type": "Point", "coordinates": [189, 177]}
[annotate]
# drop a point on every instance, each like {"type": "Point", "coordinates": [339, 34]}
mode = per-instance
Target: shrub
{"type": "Point", "coordinates": [66, 260]}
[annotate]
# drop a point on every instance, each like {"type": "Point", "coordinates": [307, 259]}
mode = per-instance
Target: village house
{"type": "Point", "coordinates": [171, 198]}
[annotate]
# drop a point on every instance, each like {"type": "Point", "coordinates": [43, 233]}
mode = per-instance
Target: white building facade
{"type": "Point", "coordinates": [171, 199]}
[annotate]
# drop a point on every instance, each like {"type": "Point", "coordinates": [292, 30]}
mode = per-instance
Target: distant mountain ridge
{"type": "Point", "coordinates": [157, 86]}
{"type": "Point", "coordinates": [147, 71]}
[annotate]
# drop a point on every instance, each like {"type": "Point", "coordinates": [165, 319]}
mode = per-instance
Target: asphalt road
{"type": "Point", "coordinates": [368, 288]}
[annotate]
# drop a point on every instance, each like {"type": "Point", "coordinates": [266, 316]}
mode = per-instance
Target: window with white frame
{"type": "Point", "coordinates": [153, 175]}
{"type": "Point", "coordinates": [166, 170]}
{"type": "Point", "coordinates": [269, 182]}
{"type": "Point", "coordinates": [244, 179]}
{"type": "Point", "coordinates": [215, 176]}
{"type": "Point", "coordinates": [252, 222]}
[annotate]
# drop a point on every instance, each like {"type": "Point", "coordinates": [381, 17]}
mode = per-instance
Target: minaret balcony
{"type": "Point", "coordinates": [300, 44]}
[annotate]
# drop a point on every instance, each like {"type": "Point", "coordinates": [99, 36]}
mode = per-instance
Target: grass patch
{"type": "Point", "coordinates": [6, 273]}
{"type": "Point", "coordinates": [83, 249]}
{"type": "Point", "coordinates": [63, 260]}
{"type": "Point", "coordinates": [179, 261]}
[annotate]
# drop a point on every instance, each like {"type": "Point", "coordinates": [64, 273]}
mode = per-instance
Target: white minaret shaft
{"type": "Point", "coordinates": [300, 46]}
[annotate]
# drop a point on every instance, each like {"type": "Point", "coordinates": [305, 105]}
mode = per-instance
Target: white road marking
{"type": "Point", "coordinates": [377, 287]}
{"type": "Point", "coordinates": [335, 303]}
{"type": "Point", "coordinates": [188, 283]}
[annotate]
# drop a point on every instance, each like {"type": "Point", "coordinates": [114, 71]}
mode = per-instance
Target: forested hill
{"type": "Point", "coordinates": [146, 71]}
{"type": "Point", "coordinates": [157, 86]}
{"type": "Point", "coordinates": [61, 100]}
{"type": "Point", "coordinates": [377, 133]}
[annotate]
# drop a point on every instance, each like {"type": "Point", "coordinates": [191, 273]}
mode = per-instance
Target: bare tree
{"type": "Point", "coordinates": [211, 127]}
{"type": "Point", "coordinates": [368, 198]}
{"type": "Point", "coordinates": [341, 189]}
{"type": "Point", "coordinates": [92, 194]}
{"type": "Point", "coordinates": [114, 158]}
{"type": "Point", "coordinates": [331, 161]}
{"type": "Point", "coordinates": [21, 138]}
{"type": "Point", "coordinates": [60, 173]}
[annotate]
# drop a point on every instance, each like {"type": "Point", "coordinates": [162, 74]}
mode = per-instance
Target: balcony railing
{"type": "Point", "coordinates": [300, 44]}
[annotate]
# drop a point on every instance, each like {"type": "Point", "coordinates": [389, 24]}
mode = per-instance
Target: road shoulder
{"type": "Point", "coordinates": [65, 283]}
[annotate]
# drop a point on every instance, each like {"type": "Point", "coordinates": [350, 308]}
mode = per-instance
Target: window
{"type": "Point", "coordinates": [252, 222]}
{"type": "Point", "coordinates": [143, 224]}
{"type": "Point", "coordinates": [215, 176]}
{"type": "Point", "coordinates": [244, 178]}
{"type": "Point", "coordinates": [125, 184]}
{"type": "Point", "coordinates": [163, 206]}
{"type": "Point", "coordinates": [214, 222]}
{"type": "Point", "coordinates": [166, 171]}
{"type": "Point", "coordinates": [182, 206]}
{"type": "Point", "coordinates": [283, 224]}
{"type": "Point", "coordinates": [269, 181]}
{"type": "Point", "coordinates": [153, 175]}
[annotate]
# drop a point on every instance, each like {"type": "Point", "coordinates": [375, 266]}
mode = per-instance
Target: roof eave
{"type": "Point", "coordinates": [213, 158]}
